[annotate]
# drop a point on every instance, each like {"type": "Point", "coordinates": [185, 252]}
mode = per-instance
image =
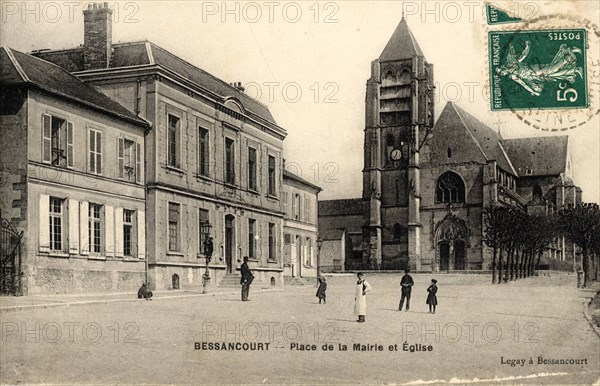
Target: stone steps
{"type": "Point", "coordinates": [230, 281]}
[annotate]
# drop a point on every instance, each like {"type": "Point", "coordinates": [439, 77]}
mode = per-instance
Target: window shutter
{"type": "Point", "coordinates": [46, 141]}
{"type": "Point", "coordinates": [99, 152]}
{"type": "Point", "coordinates": [69, 144]}
{"type": "Point", "coordinates": [44, 242]}
{"type": "Point", "coordinates": [109, 230]}
{"type": "Point", "coordinates": [138, 162]}
{"type": "Point", "coordinates": [141, 234]}
{"type": "Point", "coordinates": [120, 147]}
{"type": "Point", "coordinates": [84, 226]}
{"type": "Point", "coordinates": [119, 243]}
{"type": "Point", "coordinates": [73, 208]}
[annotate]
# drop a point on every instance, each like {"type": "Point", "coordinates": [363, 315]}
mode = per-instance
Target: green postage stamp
{"type": "Point", "coordinates": [540, 69]}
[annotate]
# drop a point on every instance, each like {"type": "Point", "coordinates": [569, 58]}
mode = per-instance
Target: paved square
{"type": "Point", "coordinates": [479, 331]}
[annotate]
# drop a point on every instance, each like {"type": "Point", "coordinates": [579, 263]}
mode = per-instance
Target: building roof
{"type": "Point", "coordinates": [349, 206]}
{"type": "Point", "coordinates": [23, 69]}
{"type": "Point", "coordinates": [402, 44]}
{"type": "Point", "coordinates": [287, 175]}
{"type": "Point", "coordinates": [331, 234]}
{"type": "Point", "coordinates": [542, 156]}
{"type": "Point", "coordinates": [487, 139]}
{"type": "Point", "coordinates": [147, 53]}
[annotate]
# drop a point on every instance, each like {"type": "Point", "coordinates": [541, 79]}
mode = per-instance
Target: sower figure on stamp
{"type": "Point", "coordinates": [321, 290]}
{"type": "Point", "coordinates": [246, 280]}
{"type": "Point", "coordinates": [144, 292]}
{"type": "Point", "coordinates": [431, 297]}
{"type": "Point", "coordinates": [406, 283]}
{"type": "Point", "coordinates": [360, 298]}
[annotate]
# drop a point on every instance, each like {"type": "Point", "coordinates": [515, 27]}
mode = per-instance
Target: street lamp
{"type": "Point", "coordinates": [207, 252]}
{"type": "Point", "coordinates": [319, 245]}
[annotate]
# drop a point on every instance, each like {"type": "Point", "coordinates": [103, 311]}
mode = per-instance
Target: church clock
{"type": "Point", "coordinates": [396, 154]}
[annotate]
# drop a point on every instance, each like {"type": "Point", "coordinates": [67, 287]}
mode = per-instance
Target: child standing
{"type": "Point", "coordinates": [431, 297]}
{"type": "Point", "coordinates": [321, 290]}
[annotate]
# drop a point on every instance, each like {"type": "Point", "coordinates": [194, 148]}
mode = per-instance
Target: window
{"type": "Point", "coordinates": [309, 256]}
{"type": "Point", "coordinates": [173, 141]}
{"type": "Point", "coordinates": [450, 188]}
{"type": "Point", "coordinates": [307, 209]}
{"type": "Point", "coordinates": [202, 232]}
{"type": "Point", "coordinates": [296, 207]}
{"type": "Point", "coordinates": [173, 226]}
{"type": "Point", "coordinates": [252, 169]}
{"type": "Point", "coordinates": [203, 154]}
{"type": "Point", "coordinates": [57, 141]}
{"type": "Point", "coordinates": [56, 224]}
{"type": "Point", "coordinates": [128, 240]}
{"type": "Point", "coordinates": [229, 161]}
{"type": "Point", "coordinates": [397, 232]}
{"type": "Point", "coordinates": [272, 255]}
{"type": "Point", "coordinates": [129, 159]}
{"type": "Point", "coordinates": [449, 152]}
{"type": "Point", "coordinates": [95, 228]}
{"type": "Point", "coordinates": [272, 181]}
{"type": "Point", "coordinates": [251, 235]}
{"type": "Point", "coordinates": [95, 154]}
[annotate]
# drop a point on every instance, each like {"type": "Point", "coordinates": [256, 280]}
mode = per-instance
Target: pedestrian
{"type": "Point", "coordinates": [321, 290]}
{"type": "Point", "coordinates": [144, 292]}
{"type": "Point", "coordinates": [360, 298]}
{"type": "Point", "coordinates": [406, 283]}
{"type": "Point", "coordinates": [246, 280]}
{"type": "Point", "coordinates": [431, 297]}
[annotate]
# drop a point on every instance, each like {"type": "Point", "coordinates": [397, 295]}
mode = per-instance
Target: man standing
{"type": "Point", "coordinates": [246, 280]}
{"type": "Point", "coordinates": [360, 298]}
{"type": "Point", "coordinates": [406, 283]}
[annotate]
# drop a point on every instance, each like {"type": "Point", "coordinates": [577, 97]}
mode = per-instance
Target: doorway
{"type": "Point", "coordinates": [459, 254]}
{"type": "Point", "coordinates": [229, 243]}
{"type": "Point", "coordinates": [444, 256]}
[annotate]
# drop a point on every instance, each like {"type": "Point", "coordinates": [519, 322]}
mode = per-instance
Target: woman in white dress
{"type": "Point", "coordinates": [360, 298]}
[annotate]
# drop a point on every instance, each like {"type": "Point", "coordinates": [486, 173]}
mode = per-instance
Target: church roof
{"type": "Point", "coordinates": [23, 69]}
{"type": "Point", "coordinates": [348, 206]}
{"type": "Point", "coordinates": [331, 234]}
{"type": "Point", "coordinates": [487, 139]}
{"type": "Point", "coordinates": [402, 44]}
{"type": "Point", "coordinates": [147, 53]}
{"type": "Point", "coordinates": [538, 156]}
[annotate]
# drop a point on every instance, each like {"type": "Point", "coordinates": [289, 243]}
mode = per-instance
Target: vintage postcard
{"type": "Point", "coordinates": [300, 192]}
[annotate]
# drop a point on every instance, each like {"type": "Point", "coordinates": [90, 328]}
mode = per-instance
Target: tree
{"type": "Point", "coordinates": [581, 225]}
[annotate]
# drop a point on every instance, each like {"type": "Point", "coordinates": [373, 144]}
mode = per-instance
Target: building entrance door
{"type": "Point", "coordinates": [229, 243]}
{"type": "Point", "coordinates": [298, 257]}
{"type": "Point", "coordinates": [459, 254]}
{"type": "Point", "coordinates": [444, 256]}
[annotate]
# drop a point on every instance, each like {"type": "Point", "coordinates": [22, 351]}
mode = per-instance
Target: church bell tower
{"type": "Point", "coordinates": [399, 111]}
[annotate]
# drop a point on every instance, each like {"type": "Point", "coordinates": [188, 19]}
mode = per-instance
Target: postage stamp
{"type": "Point", "coordinates": [538, 69]}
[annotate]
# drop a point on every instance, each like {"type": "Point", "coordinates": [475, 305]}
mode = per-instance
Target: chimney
{"type": "Point", "coordinates": [97, 36]}
{"type": "Point", "coordinates": [238, 86]}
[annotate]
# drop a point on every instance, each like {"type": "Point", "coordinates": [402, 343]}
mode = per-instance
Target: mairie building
{"type": "Point", "coordinates": [426, 184]}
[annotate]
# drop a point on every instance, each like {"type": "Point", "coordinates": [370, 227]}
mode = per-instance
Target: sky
{"type": "Point", "coordinates": [309, 61]}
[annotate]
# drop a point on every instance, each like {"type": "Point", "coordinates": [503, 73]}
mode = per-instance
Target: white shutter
{"type": "Point", "coordinates": [44, 211]}
{"type": "Point", "coordinates": [46, 138]}
{"type": "Point", "coordinates": [69, 144]}
{"type": "Point", "coordinates": [138, 163]}
{"type": "Point", "coordinates": [141, 233]}
{"type": "Point", "coordinates": [109, 230]}
{"type": "Point", "coordinates": [84, 226]}
{"type": "Point", "coordinates": [119, 245]}
{"type": "Point", "coordinates": [73, 208]}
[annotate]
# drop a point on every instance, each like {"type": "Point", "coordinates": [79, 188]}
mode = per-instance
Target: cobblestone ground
{"type": "Point", "coordinates": [478, 332]}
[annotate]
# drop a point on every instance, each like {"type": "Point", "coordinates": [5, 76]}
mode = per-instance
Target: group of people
{"type": "Point", "coordinates": [362, 287]}
{"type": "Point", "coordinates": [360, 295]}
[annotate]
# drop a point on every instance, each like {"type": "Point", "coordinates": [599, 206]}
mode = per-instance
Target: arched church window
{"type": "Point", "coordinates": [449, 152]}
{"type": "Point", "coordinates": [537, 191]}
{"type": "Point", "coordinates": [397, 231]}
{"type": "Point", "coordinates": [405, 77]}
{"type": "Point", "coordinates": [389, 78]}
{"type": "Point", "coordinates": [449, 188]}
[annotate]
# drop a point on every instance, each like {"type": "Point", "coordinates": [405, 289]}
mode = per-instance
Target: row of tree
{"type": "Point", "coordinates": [518, 240]}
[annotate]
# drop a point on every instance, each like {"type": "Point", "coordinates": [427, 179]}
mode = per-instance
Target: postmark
{"type": "Point", "coordinates": [538, 69]}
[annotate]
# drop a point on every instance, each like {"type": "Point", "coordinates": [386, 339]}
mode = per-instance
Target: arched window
{"type": "Point", "coordinates": [175, 281]}
{"type": "Point", "coordinates": [449, 151]}
{"type": "Point", "coordinates": [397, 231]}
{"type": "Point", "coordinates": [449, 188]}
{"type": "Point", "coordinates": [537, 191]}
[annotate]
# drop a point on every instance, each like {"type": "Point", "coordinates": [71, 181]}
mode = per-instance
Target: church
{"type": "Point", "coordinates": [426, 184]}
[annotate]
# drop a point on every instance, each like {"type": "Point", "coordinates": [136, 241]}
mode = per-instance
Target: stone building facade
{"type": "Point", "coordinates": [426, 185]}
{"type": "Point", "coordinates": [214, 164]}
{"type": "Point", "coordinates": [300, 229]}
{"type": "Point", "coordinates": [72, 180]}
